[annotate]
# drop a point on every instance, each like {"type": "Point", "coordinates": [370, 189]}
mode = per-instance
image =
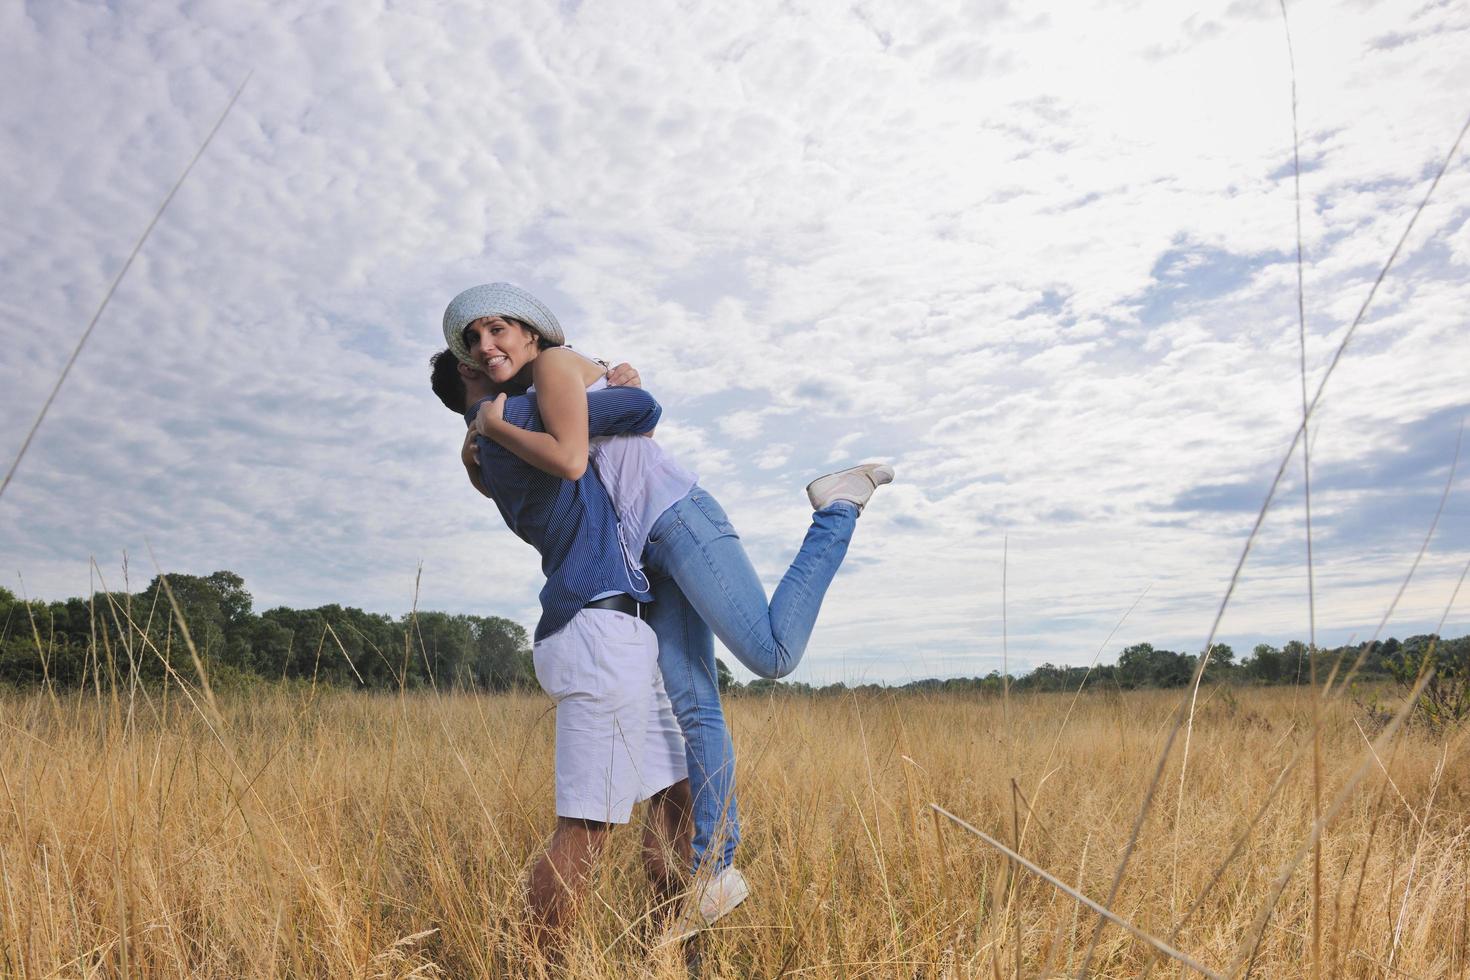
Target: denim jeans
{"type": "Point", "coordinates": [704, 586]}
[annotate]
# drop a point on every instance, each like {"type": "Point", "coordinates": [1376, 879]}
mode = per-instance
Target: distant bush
{"type": "Point", "coordinates": [1445, 701]}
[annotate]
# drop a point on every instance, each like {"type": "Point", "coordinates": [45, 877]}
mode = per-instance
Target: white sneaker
{"type": "Point", "coordinates": [854, 485]}
{"type": "Point", "coordinates": [709, 904]}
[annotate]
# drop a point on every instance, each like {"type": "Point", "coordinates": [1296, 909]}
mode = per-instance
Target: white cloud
{"type": "Point", "coordinates": [742, 425]}
{"type": "Point", "coordinates": [821, 234]}
{"type": "Point", "coordinates": [773, 456]}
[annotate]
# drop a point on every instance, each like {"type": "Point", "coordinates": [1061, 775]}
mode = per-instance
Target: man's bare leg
{"type": "Point", "coordinates": [560, 876]}
{"type": "Point", "coordinates": [668, 829]}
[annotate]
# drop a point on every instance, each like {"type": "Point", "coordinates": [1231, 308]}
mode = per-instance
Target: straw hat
{"type": "Point", "coordinates": [497, 299]}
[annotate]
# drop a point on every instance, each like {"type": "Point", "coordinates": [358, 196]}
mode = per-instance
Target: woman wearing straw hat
{"type": "Point", "coordinates": [702, 582]}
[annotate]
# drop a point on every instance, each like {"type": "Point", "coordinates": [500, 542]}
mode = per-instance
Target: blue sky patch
{"type": "Point", "coordinates": [1188, 275]}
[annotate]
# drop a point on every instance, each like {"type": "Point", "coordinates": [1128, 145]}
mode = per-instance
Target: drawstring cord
{"type": "Point", "coordinates": [631, 565]}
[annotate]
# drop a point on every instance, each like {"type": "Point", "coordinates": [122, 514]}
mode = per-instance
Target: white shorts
{"type": "Point", "coordinates": [617, 741]}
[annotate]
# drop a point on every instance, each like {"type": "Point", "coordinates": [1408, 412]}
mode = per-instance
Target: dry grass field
{"type": "Point", "coordinates": [329, 834]}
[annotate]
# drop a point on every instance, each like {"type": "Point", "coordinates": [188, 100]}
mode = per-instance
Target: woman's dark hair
{"type": "Point", "coordinates": [445, 380]}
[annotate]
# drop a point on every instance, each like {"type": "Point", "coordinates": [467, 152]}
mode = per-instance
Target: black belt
{"type": "Point", "coordinates": [622, 602]}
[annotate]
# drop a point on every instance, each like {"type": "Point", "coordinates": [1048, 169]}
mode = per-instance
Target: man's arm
{"type": "Point", "coordinates": [469, 455]}
{"type": "Point", "coordinates": [622, 411]}
{"type": "Point", "coordinates": [515, 425]}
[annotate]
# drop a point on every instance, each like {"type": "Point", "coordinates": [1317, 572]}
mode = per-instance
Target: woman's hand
{"type": "Point", "coordinates": [491, 411]}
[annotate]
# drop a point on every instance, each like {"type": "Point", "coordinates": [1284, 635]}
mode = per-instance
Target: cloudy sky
{"type": "Point", "coordinates": [1040, 255]}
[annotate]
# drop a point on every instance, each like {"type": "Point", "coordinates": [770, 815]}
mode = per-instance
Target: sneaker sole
{"type": "Point", "coordinates": [690, 931]}
{"type": "Point", "coordinates": [730, 907]}
{"type": "Point", "coordinates": [878, 474]}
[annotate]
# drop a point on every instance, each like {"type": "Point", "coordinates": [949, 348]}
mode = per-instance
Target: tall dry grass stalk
{"type": "Point", "coordinates": [331, 834]}
{"type": "Point", "coordinates": [117, 280]}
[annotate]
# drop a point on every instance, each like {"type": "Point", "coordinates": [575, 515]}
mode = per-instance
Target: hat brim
{"type": "Point", "coordinates": [497, 299]}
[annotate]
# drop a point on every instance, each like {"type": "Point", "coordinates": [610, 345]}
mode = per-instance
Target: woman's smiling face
{"type": "Point", "coordinates": [501, 347]}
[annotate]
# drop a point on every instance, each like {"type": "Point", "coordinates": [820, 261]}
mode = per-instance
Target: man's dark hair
{"type": "Point", "coordinates": [446, 382]}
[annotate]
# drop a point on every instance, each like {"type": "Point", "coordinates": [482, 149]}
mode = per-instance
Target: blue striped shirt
{"type": "Point", "coordinates": [572, 523]}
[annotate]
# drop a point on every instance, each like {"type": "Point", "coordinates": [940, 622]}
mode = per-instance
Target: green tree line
{"type": "Point", "coordinates": [115, 635]}
{"type": "Point", "coordinates": [1145, 666]}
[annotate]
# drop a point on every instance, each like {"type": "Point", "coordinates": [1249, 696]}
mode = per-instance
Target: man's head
{"type": "Point", "coordinates": [458, 385]}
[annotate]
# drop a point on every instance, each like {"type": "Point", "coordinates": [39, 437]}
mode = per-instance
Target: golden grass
{"type": "Point", "coordinates": [353, 835]}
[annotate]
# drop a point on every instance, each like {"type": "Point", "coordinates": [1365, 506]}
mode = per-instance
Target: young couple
{"type": "Point", "coordinates": [643, 569]}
